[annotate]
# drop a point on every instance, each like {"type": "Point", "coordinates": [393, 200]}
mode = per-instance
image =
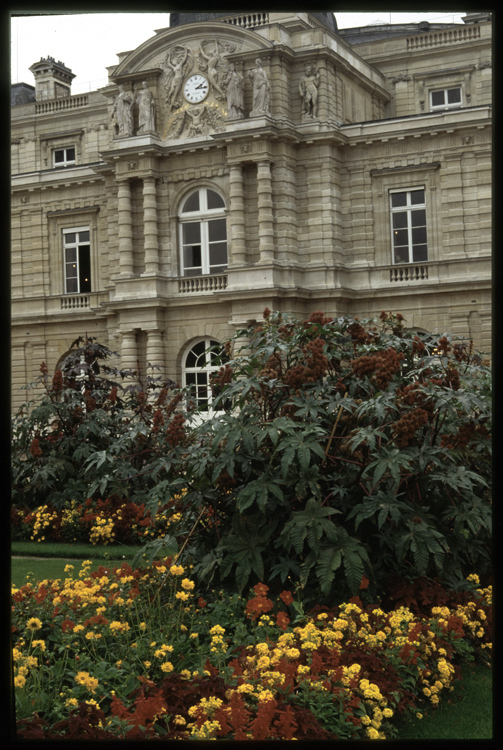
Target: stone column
{"type": "Point", "coordinates": [125, 229]}
{"type": "Point", "coordinates": [265, 218]}
{"type": "Point", "coordinates": [129, 351]}
{"type": "Point", "coordinates": [155, 351]}
{"type": "Point", "coordinates": [150, 231]}
{"type": "Point", "coordinates": [237, 256]}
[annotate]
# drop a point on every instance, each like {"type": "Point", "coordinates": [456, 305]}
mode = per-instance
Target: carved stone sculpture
{"type": "Point", "coordinates": [234, 87]}
{"type": "Point", "coordinates": [146, 107]}
{"type": "Point", "coordinates": [261, 89]}
{"type": "Point", "coordinates": [308, 90]}
{"type": "Point", "coordinates": [179, 62]}
{"type": "Point", "coordinates": [121, 113]}
{"type": "Point", "coordinates": [214, 61]}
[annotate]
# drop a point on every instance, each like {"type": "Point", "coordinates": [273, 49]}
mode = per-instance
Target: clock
{"type": "Point", "coordinates": [196, 88]}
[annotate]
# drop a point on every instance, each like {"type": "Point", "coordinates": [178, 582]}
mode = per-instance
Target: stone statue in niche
{"type": "Point", "coordinates": [122, 116]}
{"type": "Point", "coordinates": [234, 83]}
{"type": "Point", "coordinates": [146, 109]}
{"type": "Point", "coordinates": [308, 90]}
{"type": "Point", "coordinates": [214, 61]}
{"type": "Point", "coordinates": [179, 62]}
{"type": "Point", "coordinates": [261, 89]}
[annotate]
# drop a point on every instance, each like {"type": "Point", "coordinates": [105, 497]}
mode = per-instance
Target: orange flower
{"type": "Point", "coordinates": [257, 606]}
{"type": "Point", "coordinates": [282, 620]}
{"type": "Point", "coordinates": [261, 589]}
{"type": "Point", "coordinates": [365, 582]}
{"type": "Point", "coordinates": [286, 597]}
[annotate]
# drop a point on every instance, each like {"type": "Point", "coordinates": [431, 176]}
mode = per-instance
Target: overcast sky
{"type": "Point", "coordinates": [89, 43]}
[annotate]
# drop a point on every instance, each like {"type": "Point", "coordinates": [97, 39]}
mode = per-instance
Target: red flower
{"type": "Point", "coordinates": [35, 448]}
{"type": "Point", "coordinates": [201, 603]}
{"type": "Point", "coordinates": [257, 606]}
{"type": "Point", "coordinates": [282, 620]}
{"type": "Point", "coordinates": [261, 589]}
{"type": "Point", "coordinates": [365, 582]}
{"type": "Point", "coordinates": [67, 625]}
{"type": "Point", "coordinates": [286, 597]}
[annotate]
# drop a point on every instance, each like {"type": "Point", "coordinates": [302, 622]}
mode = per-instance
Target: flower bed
{"type": "Point", "coordinates": [113, 520]}
{"type": "Point", "coordinates": [123, 653]}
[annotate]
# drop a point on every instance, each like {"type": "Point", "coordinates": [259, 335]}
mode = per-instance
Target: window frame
{"type": "Point", "coordinates": [446, 105]}
{"type": "Point", "coordinates": [79, 261]}
{"type": "Point", "coordinates": [203, 405]}
{"type": "Point", "coordinates": [202, 217]}
{"type": "Point", "coordinates": [408, 209]}
{"type": "Point", "coordinates": [66, 162]}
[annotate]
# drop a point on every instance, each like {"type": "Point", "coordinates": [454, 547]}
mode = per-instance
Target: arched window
{"type": "Point", "coordinates": [198, 364]}
{"type": "Point", "coordinates": [203, 233]}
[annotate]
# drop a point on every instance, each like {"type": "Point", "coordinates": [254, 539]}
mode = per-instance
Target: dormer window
{"type": "Point", "coordinates": [63, 157]}
{"type": "Point", "coordinates": [445, 98]}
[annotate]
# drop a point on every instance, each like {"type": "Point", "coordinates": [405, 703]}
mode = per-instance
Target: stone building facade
{"type": "Point", "coordinates": [238, 162]}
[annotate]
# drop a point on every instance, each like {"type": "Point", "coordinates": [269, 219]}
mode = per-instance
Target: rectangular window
{"type": "Point", "coordinates": [408, 225]}
{"type": "Point", "coordinates": [77, 260]}
{"type": "Point", "coordinates": [445, 98]}
{"type": "Point", "coordinates": [63, 157]}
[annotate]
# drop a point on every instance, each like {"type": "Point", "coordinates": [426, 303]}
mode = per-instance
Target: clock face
{"type": "Point", "coordinates": [196, 88]}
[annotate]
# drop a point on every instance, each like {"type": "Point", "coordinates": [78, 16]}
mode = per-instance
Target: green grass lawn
{"type": "Point", "coordinates": [465, 715]}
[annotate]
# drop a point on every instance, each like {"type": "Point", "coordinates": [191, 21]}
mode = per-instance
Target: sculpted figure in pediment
{"type": "Point", "coordinates": [261, 89]}
{"type": "Point", "coordinates": [179, 63]}
{"type": "Point", "coordinates": [146, 107]}
{"type": "Point", "coordinates": [122, 116]}
{"type": "Point", "coordinates": [213, 65]}
{"type": "Point", "coordinates": [234, 87]}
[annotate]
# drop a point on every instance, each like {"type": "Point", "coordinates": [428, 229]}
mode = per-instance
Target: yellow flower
{"type": "Point", "coordinates": [179, 720]}
{"type": "Point", "coordinates": [185, 673]}
{"type": "Point", "coordinates": [182, 595]}
{"type": "Point", "coordinates": [19, 681]}
{"type": "Point", "coordinates": [84, 678]}
{"type": "Point", "coordinates": [187, 584]}
{"type": "Point", "coordinates": [177, 570]}
{"type": "Point", "coordinates": [217, 630]}
{"type": "Point", "coordinates": [39, 644]}
{"type": "Point", "coordinates": [34, 624]}
{"type": "Point", "coordinates": [167, 667]}
{"type": "Point", "coordinates": [194, 635]}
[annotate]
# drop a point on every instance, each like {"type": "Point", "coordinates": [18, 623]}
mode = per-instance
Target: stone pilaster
{"type": "Point", "coordinates": [129, 351]}
{"type": "Point", "coordinates": [155, 350]}
{"type": "Point", "coordinates": [237, 256]}
{"type": "Point", "coordinates": [150, 230]}
{"type": "Point", "coordinates": [265, 216]}
{"type": "Point", "coordinates": [126, 264]}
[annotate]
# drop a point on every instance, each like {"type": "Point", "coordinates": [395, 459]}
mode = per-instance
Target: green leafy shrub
{"type": "Point", "coordinates": [340, 452]}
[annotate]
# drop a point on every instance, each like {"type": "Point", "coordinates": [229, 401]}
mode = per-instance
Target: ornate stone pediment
{"type": "Point", "coordinates": [199, 78]}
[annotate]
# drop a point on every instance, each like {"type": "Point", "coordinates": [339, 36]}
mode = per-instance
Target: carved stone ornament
{"type": "Point", "coordinates": [400, 77]}
{"type": "Point", "coordinates": [146, 109]}
{"type": "Point", "coordinates": [485, 64]}
{"type": "Point", "coordinates": [467, 140]}
{"type": "Point", "coordinates": [308, 91]}
{"type": "Point", "coordinates": [196, 120]}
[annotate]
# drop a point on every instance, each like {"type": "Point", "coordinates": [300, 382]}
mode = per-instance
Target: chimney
{"type": "Point", "coordinates": [52, 79]}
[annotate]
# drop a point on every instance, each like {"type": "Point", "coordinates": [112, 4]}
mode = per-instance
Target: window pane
{"type": "Point", "coordinates": [71, 284]}
{"type": "Point", "coordinates": [400, 220]}
{"type": "Point", "coordinates": [192, 257]}
{"type": "Point", "coordinates": [192, 233]}
{"type": "Point", "coordinates": [214, 200]}
{"type": "Point", "coordinates": [59, 156]}
{"type": "Point", "coordinates": [419, 236]}
{"type": "Point", "coordinates": [454, 96]}
{"type": "Point", "coordinates": [190, 377]}
{"type": "Point", "coordinates": [202, 378]}
{"type": "Point", "coordinates": [217, 230]}
{"type": "Point", "coordinates": [192, 203]}
{"type": "Point", "coordinates": [420, 254]}
{"type": "Point", "coordinates": [437, 98]}
{"type": "Point", "coordinates": [85, 268]}
{"type": "Point", "coordinates": [70, 238]}
{"type": "Point", "coordinates": [199, 350]}
{"type": "Point", "coordinates": [70, 154]}
{"type": "Point", "coordinates": [398, 199]}
{"type": "Point", "coordinates": [83, 236]}
{"type": "Point", "coordinates": [70, 254]}
{"type": "Point", "coordinates": [418, 218]}
{"type": "Point", "coordinates": [417, 197]}
{"type": "Point", "coordinates": [401, 255]}
{"type": "Point", "coordinates": [400, 237]}
{"type": "Point", "coordinates": [218, 254]}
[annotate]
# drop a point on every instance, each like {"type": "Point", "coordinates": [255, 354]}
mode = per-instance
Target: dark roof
{"type": "Point", "coordinates": [179, 19]}
{"type": "Point", "coordinates": [374, 32]}
{"type": "Point", "coordinates": [21, 93]}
